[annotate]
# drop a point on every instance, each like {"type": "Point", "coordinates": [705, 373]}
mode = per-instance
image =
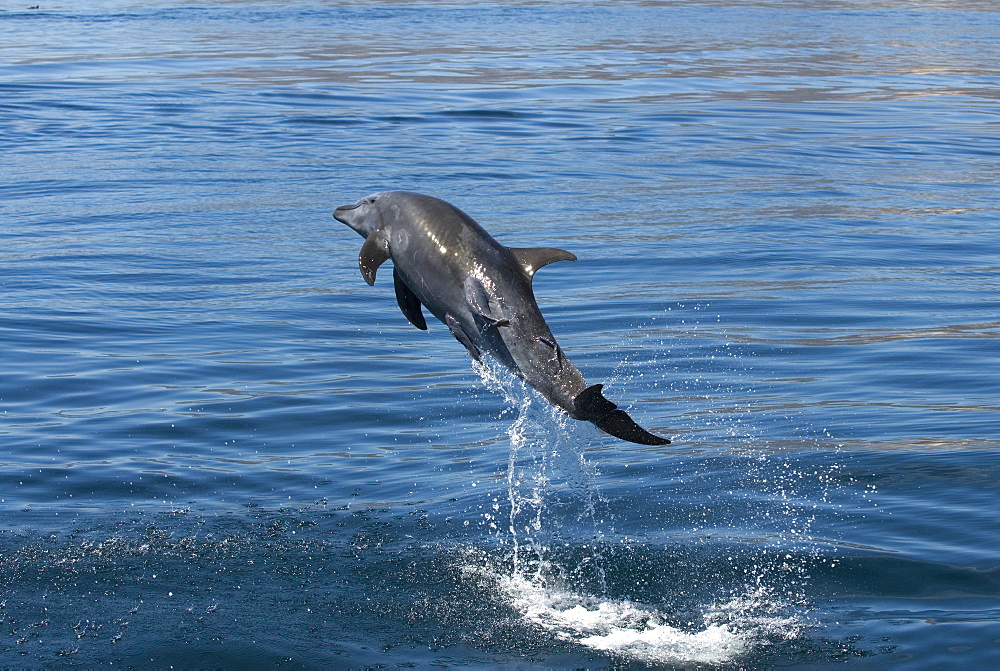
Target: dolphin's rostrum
{"type": "Point", "coordinates": [481, 290]}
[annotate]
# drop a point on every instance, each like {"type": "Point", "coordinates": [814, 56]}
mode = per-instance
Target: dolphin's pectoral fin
{"type": "Point", "coordinates": [374, 253]}
{"type": "Point", "coordinates": [533, 258]}
{"type": "Point", "coordinates": [590, 405]}
{"type": "Point", "coordinates": [462, 337]}
{"type": "Point", "coordinates": [479, 301]}
{"type": "Point", "coordinates": [408, 302]}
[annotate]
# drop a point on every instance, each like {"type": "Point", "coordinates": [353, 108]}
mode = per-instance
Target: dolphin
{"type": "Point", "coordinates": [443, 260]}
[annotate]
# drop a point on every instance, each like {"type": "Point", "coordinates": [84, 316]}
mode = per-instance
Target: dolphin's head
{"type": "Point", "coordinates": [363, 216]}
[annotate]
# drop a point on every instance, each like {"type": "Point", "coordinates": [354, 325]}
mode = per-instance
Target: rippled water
{"type": "Point", "coordinates": [219, 447]}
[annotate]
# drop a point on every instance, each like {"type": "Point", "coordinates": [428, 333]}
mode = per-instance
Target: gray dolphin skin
{"type": "Point", "coordinates": [481, 291]}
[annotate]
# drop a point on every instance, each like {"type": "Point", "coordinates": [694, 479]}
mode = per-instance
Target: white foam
{"type": "Point", "coordinates": [664, 643]}
{"type": "Point", "coordinates": [639, 631]}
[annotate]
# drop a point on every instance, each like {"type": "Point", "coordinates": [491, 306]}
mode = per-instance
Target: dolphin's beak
{"type": "Point", "coordinates": [340, 212]}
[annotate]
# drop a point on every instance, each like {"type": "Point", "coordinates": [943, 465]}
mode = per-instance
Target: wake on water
{"type": "Point", "coordinates": [554, 503]}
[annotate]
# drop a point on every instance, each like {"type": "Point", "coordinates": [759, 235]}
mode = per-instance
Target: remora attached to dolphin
{"type": "Point", "coordinates": [482, 291]}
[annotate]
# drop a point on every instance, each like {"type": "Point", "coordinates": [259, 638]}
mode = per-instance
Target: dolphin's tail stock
{"type": "Point", "coordinates": [590, 405]}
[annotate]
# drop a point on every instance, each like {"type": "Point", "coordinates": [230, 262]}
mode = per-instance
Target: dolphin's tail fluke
{"type": "Point", "coordinates": [590, 405]}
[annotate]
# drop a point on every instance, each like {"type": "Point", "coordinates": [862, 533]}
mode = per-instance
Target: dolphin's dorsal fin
{"type": "Point", "coordinates": [533, 258]}
{"type": "Point", "coordinates": [374, 253]}
{"type": "Point", "coordinates": [408, 302]}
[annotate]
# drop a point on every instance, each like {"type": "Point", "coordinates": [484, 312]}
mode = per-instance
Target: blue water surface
{"type": "Point", "coordinates": [219, 448]}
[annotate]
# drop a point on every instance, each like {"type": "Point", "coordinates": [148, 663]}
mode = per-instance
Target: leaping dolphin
{"type": "Point", "coordinates": [482, 291]}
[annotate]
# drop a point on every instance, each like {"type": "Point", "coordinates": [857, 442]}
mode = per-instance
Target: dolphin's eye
{"type": "Point", "coordinates": [371, 201]}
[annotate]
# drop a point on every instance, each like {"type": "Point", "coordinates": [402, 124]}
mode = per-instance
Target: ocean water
{"type": "Point", "coordinates": [219, 448]}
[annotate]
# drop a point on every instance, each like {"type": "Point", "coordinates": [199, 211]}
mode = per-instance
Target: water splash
{"type": "Point", "coordinates": [550, 485]}
{"type": "Point", "coordinates": [555, 575]}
